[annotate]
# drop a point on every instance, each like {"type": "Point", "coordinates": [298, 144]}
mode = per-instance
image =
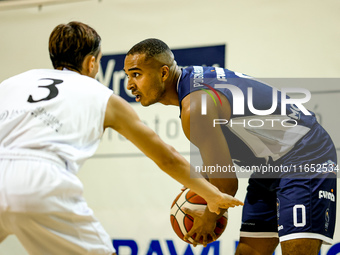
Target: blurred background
{"type": "Point", "coordinates": [291, 43]}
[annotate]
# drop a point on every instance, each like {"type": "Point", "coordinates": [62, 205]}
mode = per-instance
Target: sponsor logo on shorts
{"type": "Point", "coordinates": [279, 227]}
{"type": "Point", "coordinates": [327, 195]}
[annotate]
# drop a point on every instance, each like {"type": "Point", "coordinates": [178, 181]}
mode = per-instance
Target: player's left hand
{"type": "Point", "coordinates": [222, 202]}
{"type": "Point", "coordinates": [202, 231]}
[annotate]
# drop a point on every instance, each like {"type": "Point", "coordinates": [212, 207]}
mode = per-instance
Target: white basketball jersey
{"type": "Point", "coordinates": [53, 111]}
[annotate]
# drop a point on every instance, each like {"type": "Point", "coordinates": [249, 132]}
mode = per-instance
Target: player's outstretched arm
{"type": "Point", "coordinates": [121, 117]}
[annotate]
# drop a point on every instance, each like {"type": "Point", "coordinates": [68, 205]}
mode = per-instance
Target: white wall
{"type": "Point", "coordinates": [264, 38]}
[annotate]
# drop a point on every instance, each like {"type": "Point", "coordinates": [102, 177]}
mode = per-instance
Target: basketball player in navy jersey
{"type": "Point", "coordinates": [51, 121]}
{"type": "Point", "coordinates": [292, 206]}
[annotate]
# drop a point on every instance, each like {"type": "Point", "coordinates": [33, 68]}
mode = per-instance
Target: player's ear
{"type": "Point", "coordinates": [165, 72]}
{"type": "Point", "coordinates": [91, 64]}
{"type": "Point", "coordinates": [88, 64]}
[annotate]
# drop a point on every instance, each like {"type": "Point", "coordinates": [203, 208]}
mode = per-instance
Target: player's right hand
{"type": "Point", "coordinates": [202, 231]}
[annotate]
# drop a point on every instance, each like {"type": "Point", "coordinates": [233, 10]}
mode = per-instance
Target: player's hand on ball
{"type": "Point", "coordinates": [193, 222]}
{"type": "Point", "coordinates": [202, 231]}
{"type": "Point", "coordinates": [224, 201]}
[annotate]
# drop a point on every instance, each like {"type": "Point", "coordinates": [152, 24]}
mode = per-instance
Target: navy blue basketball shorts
{"type": "Point", "coordinates": [297, 204]}
{"type": "Point", "coordinates": [296, 208]}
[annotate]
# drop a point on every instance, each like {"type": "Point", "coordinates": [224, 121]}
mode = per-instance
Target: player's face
{"type": "Point", "coordinates": [144, 79]}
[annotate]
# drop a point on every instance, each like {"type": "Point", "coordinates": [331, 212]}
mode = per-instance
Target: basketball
{"type": "Point", "coordinates": [182, 223]}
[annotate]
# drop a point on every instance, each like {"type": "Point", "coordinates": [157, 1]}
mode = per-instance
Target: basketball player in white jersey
{"type": "Point", "coordinates": [51, 121]}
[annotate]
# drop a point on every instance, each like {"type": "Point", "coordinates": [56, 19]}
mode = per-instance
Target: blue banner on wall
{"type": "Point", "coordinates": [113, 76]}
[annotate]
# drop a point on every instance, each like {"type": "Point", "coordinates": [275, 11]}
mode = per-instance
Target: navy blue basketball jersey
{"type": "Point", "coordinates": [259, 131]}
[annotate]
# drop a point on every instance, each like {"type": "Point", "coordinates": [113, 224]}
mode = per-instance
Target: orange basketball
{"type": "Point", "coordinates": [182, 223]}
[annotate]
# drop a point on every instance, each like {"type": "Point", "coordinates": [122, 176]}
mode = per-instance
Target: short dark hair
{"type": "Point", "coordinates": [150, 47]}
{"type": "Point", "coordinates": [70, 43]}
